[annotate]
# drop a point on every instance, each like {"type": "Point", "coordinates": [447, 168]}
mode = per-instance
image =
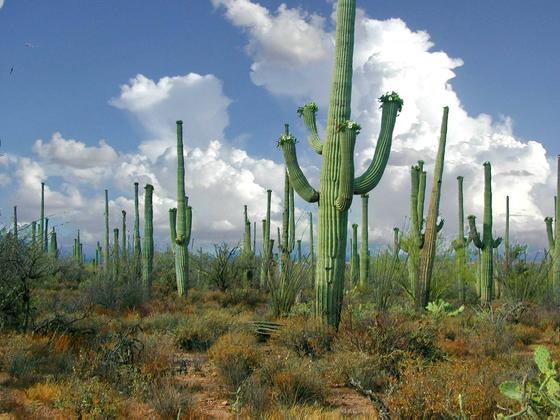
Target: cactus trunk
{"type": "Point", "coordinates": [486, 244]}
{"type": "Point", "coordinates": [354, 256]}
{"type": "Point", "coordinates": [46, 236]}
{"type": "Point", "coordinates": [460, 244]}
{"type": "Point", "coordinates": [136, 240]}
{"type": "Point", "coordinates": [116, 256]}
{"type": "Point", "coordinates": [364, 249]}
{"type": "Point", "coordinates": [428, 252]}
{"type": "Point", "coordinates": [247, 235]}
{"type": "Point", "coordinates": [124, 249]}
{"type": "Point", "coordinates": [148, 249]}
{"type": "Point", "coordinates": [53, 245]}
{"type": "Point", "coordinates": [267, 243]}
{"type": "Point", "coordinates": [556, 253]}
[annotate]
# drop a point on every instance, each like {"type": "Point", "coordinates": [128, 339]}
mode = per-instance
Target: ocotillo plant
{"type": "Point", "coordinates": [364, 248]}
{"type": "Point", "coordinates": [181, 229]}
{"type": "Point", "coordinates": [148, 251]}
{"type": "Point", "coordinates": [41, 235]}
{"type": "Point", "coordinates": [137, 246]}
{"type": "Point", "coordinates": [106, 249]}
{"type": "Point", "coordinates": [552, 233]}
{"type": "Point", "coordinates": [247, 234]}
{"type": "Point", "coordinates": [428, 252]}
{"type": "Point", "coordinates": [354, 256]}
{"type": "Point", "coordinates": [337, 182]}
{"type": "Point", "coordinates": [268, 243]}
{"type": "Point", "coordinates": [53, 245]}
{"type": "Point", "coordinates": [15, 223]}
{"type": "Point", "coordinates": [124, 249]}
{"type": "Point", "coordinates": [116, 261]}
{"type": "Point", "coordinates": [487, 243]}
{"type": "Point", "coordinates": [460, 244]}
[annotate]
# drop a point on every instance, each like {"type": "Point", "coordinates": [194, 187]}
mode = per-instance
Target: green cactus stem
{"type": "Point", "coordinates": [486, 244]}
{"type": "Point", "coordinates": [124, 249]}
{"type": "Point", "coordinates": [15, 223]}
{"type": "Point", "coordinates": [311, 255]}
{"type": "Point", "coordinates": [106, 260]}
{"type": "Point", "coordinates": [552, 229]}
{"type": "Point", "coordinates": [396, 241]}
{"type": "Point", "coordinates": [354, 256]}
{"type": "Point", "coordinates": [286, 241]}
{"type": "Point", "coordinates": [41, 234]}
{"type": "Point", "coordinates": [364, 248]}
{"type": "Point", "coordinates": [53, 245]}
{"type": "Point", "coordinates": [337, 181]}
{"type": "Point", "coordinates": [46, 236]}
{"type": "Point", "coordinates": [97, 255]}
{"type": "Point", "coordinates": [460, 244]}
{"type": "Point", "coordinates": [148, 249]}
{"type": "Point", "coordinates": [433, 227]}
{"type": "Point", "coordinates": [268, 243]}
{"type": "Point", "coordinates": [247, 252]}
{"type": "Point", "coordinates": [33, 231]}
{"type": "Point", "coordinates": [254, 238]}
{"type": "Point", "coordinates": [116, 255]}
{"type": "Point", "coordinates": [181, 229]}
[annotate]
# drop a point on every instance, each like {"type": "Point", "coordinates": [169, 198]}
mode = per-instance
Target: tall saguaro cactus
{"type": "Point", "coordinates": [124, 249]}
{"type": "Point", "coordinates": [552, 230]}
{"type": "Point", "coordinates": [364, 248]}
{"type": "Point", "coordinates": [181, 227]}
{"type": "Point", "coordinates": [460, 243]}
{"type": "Point", "coordinates": [428, 253]}
{"type": "Point", "coordinates": [247, 234]}
{"type": "Point", "coordinates": [486, 244]}
{"type": "Point", "coordinates": [337, 182]}
{"type": "Point", "coordinates": [136, 240]}
{"type": "Point", "coordinates": [106, 260]}
{"type": "Point", "coordinates": [354, 256]}
{"type": "Point", "coordinates": [268, 243]}
{"type": "Point", "coordinates": [287, 240]}
{"type": "Point", "coordinates": [116, 255]}
{"type": "Point", "coordinates": [148, 249]}
{"type": "Point", "coordinates": [53, 250]}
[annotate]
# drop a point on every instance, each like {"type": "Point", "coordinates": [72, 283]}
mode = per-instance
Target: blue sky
{"type": "Point", "coordinates": [84, 51]}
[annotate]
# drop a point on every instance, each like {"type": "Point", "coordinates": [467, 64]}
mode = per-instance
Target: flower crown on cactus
{"type": "Point", "coordinates": [285, 139]}
{"type": "Point", "coordinates": [392, 97]}
{"type": "Point", "coordinates": [350, 125]}
{"type": "Point", "coordinates": [312, 106]}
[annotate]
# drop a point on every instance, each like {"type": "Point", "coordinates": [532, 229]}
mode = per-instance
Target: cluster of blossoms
{"type": "Point", "coordinates": [312, 106]}
{"type": "Point", "coordinates": [392, 97]}
{"type": "Point", "coordinates": [286, 138]}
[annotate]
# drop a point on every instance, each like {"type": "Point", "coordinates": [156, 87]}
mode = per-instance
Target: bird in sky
{"type": "Point", "coordinates": [30, 45]}
{"type": "Point", "coordinates": [12, 70]}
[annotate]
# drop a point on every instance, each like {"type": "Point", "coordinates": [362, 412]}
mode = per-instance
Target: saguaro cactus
{"type": "Point", "coordinates": [97, 255]}
{"type": "Point", "coordinates": [396, 241]}
{"type": "Point", "coordinates": [507, 257]}
{"type": "Point", "coordinates": [137, 246]}
{"type": "Point", "coordinates": [354, 256]}
{"type": "Point", "coordinates": [116, 257]}
{"type": "Point", "coordinates": [337, 182]}
{"type": "Point", "coordinates": [46, 236]}
{"type": "Point", "coordinates": [124, 249]}
{"type": "Point", "coordinates": [148, 251]}
{"type": "Point", "coordinates": [287, 240]}
{"type": "Point", "coordinates": [106, 260]}
{"type": "Point", "coordinates": [552, 233]}
{"type": "Point", "coordinates": [364, 248]}
{"type": "Point", "coordinates": [268, 243]}
{"type": "Point", "coordinates": [181, 229]}
{"type": "Point", "coordinates": [487, 243]}
{"type": "Point", "coordinates": [33, 231]}
{"type": "Point", "coordinates": [428, 253]}
{"type": "Point", "coordinates": [247, 234]}
{"type": "Point", "coordinates": [53, 245]}
{"type": "Point", "coordinates": [460, 244]}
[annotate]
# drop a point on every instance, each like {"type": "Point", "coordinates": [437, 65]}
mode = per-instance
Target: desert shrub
{"type": "Point", "coordinates": [201, 330]}
{"type": "Point", "coordinates": [388, 271]}
{"type": "Point", "coordinates": [434, 390]}
{"type": "Point", "coordinates": [221, 271]}
{"type": "Point", "coordinates": [371, 372]}
{"type": "Point", "coordinates": [89, 398]}
{"type": "Point", "coordinates": [525, 334]}
{"type": "Point", "coordinates": [298, 383]}
{"type": "Point", "coordinates": [305, 337]}
{"type": "Point", "coordinates": [101, 290]}
{"type": "Point", "coordinates": [236, 356]}
{"type": "Point", "coordinates": [156, 358]}
{"type": "Point", "coordinates": [46, 392]}
{"type": "Point", "coordinates": [166, 322]}
{"type": "Point", "coordinates": [285, 285]}
{"type": "Point", "coordinates": [248, 297]}
{"type": "Point", "coordinates": [255, 395]}
{"type": "Point", "coordinates": [170, 401]}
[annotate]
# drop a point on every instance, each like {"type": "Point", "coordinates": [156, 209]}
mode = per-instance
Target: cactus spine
{"type": "Point", "coordinates": [428, 252]}
{"type": "Point", "coordinates": [106, 260]}
{"type": "Point", "coordinates": [148, 249]}
{"type": "Point", "coordinates": [337, 182]}
{"type": "Point", "coordinates": [354, 256]}
{"type": "Point", "coordinates": [181, 229]}
{"type": "Point", "coordinates": [460, 244]}
{"type": "Point", "coordinates": [268, 243]}
{"type": "Point", "coordinates": [486, 244]}
{"type": "Point", "coordinates": [364, 250]}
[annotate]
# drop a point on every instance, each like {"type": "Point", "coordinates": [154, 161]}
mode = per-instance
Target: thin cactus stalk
{"type": "Point", "coordinates": [298, 252]}
{"type": "Point", "coordinates": [42, 219]}
{"type": "Point", "coordinates": [148, 249]}
{"type": "Point", "coordinates": [33, 231]}
{"type": "Point", "coordinates": [182, 235]}
{"type": "Point", "coordinates": [354, 256]}
{"type": "Point", "coordinates": [98, 255]}
{"type": "Point", "coordinates": [396, 241]}
{"type": "Point", "coordinates": [137, 247]}
{"type": "Point", "coordinates": [364, 248]}
{"type": "Point", "coordinates": [46, 236]}
{"type": "Point", "coordinates": [116, 257]}
{"type": "Point", "coordinates": [267, 243]}
{"type": "Point", "coordinates": [15, 223]}
{"type": "Point", "coordinates": [337, 182]}
{"type": "Point", "coordinates": [428, 252]}
{"type": "Point", "coordinates": [106, 260]}
{"type": "Point", "coordinates": [486, 244]}
{"type": "Point", "coordinates": [78, 249]}
{"type": "Point", "coordinates": [82, 256]}
{"type": "Point", "coordinates": [254, 238]}
{"type": "Point", "coordinates": [124, 249]}
{"type": "Point", "coordinates": [54, 244]}
{"type": "Point", "coordinates": [460, 244]}
{"type": "Point", "coordinates": [247, 234]}
{"type": "Point", "coordinates": [556, 255]}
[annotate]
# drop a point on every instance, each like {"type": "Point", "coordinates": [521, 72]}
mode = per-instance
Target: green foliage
{"type": "Point", "coordinates": [440, 308]}
{"type": "Point", "coordinates": [286, 285]}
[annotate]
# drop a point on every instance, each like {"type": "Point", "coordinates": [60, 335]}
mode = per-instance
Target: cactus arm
{"type": "Point", "coordinates": [297, 177]}
{"type": "Point", "coordinates": [396, 241]}
{"type": "Point", "coordinates": [308, 112]}
{"type": "Point", "coordinates": [173, 227]}
{"type": "Point", "coordinates": [473, 233]}
{"type": "Point", "coordinates": [391, 105]}
{"type": "Point", "coordinates": [496, 243]}
{"type": "Point", "coordinates": [348, 130]}
{"type": "Point", "coordinates": [549, 233]}
{"type": "Point", "coordinates": [439, 226]}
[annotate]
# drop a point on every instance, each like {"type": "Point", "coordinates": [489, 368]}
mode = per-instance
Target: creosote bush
{"type": "Point", "coordinates": [305, 337]}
